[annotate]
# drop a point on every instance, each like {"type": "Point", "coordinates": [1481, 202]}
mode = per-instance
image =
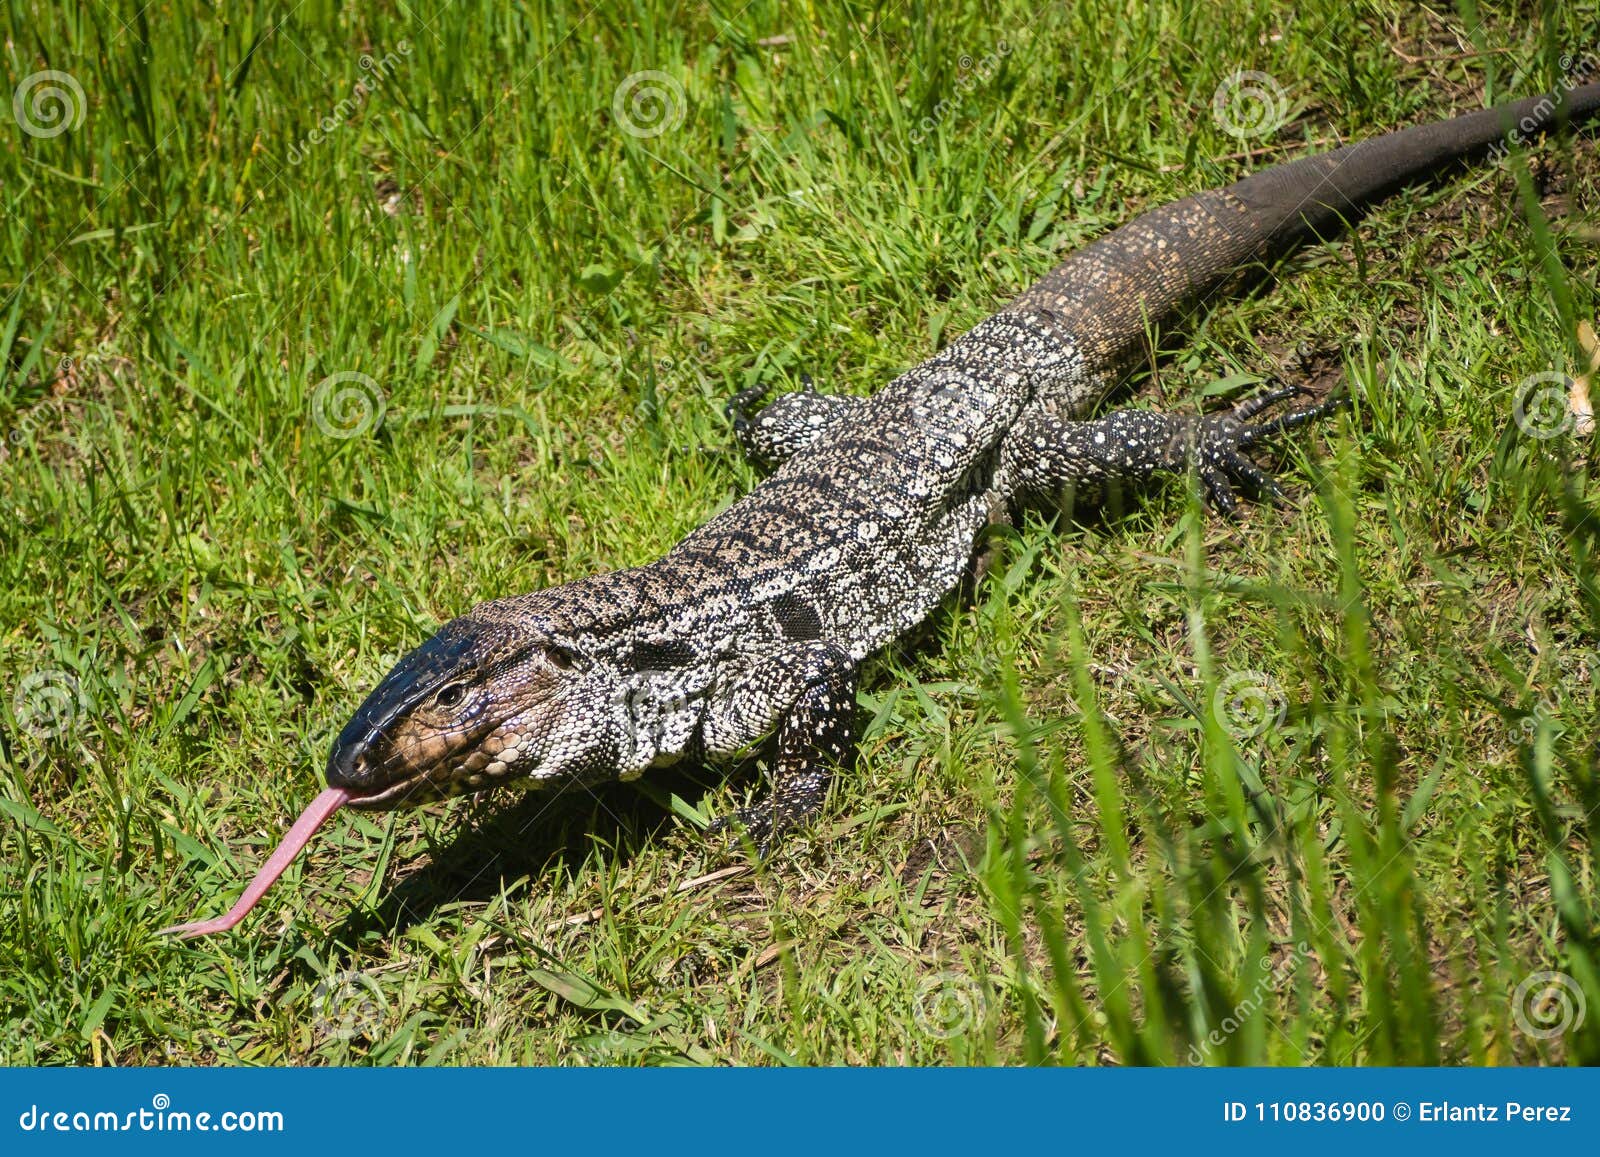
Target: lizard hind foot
{"type": "Point", "coordinates": [1219, 442]}
{"type": "Point", "coordinates": [1046, 455]}
{"type": "Point", "coordinates": [1293, 419]}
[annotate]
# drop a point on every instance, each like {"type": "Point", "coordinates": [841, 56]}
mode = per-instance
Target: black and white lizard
{"type": "Point", "coordinates": [756, 624]}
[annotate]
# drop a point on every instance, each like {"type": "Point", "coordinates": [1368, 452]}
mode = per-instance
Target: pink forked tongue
{"type": "Point", "coordinates": [310, 820]}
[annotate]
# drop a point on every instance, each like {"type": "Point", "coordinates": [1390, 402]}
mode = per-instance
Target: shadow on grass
{"type": "Point", "coordinates": [537, 836]}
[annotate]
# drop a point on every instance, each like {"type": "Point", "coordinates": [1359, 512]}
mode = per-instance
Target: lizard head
{"type": "Point", "coordinates": [493, 696]}
{"type": "Point", "coordinates": [501, 693]}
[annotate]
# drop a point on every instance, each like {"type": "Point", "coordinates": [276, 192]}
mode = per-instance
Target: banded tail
{"type": "Point", "coordinates": [1104, 296]}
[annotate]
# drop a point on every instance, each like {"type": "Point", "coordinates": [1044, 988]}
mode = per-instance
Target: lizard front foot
{"type": "Point", "coordinates": [815, 682]}
{"type": "Point", "coordinates": [754, 822]}
{"type": "Point", "coordinates": [789, 424]}
{"type": "Point", "coordinates": [767, 822]}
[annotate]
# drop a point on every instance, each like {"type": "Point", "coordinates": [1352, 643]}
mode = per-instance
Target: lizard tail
{"type": "Point", "coordinates": [1316, 195]}
{"type": "Point", "coordinates": [1105, 296]}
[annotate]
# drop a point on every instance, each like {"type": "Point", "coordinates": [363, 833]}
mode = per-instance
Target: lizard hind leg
{"type": "Point", "coordinates": [1045, 455]}
{"type": "Point", "coordinates": [790, 423]}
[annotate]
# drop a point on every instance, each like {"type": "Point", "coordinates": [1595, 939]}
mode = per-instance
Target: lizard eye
{"type": "Point", "coordinates": [449, 695]}
{"type": "Point", "coordinates": [560, 658]}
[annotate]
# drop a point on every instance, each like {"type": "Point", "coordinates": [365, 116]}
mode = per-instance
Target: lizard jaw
{"type": "Point", "coordinates": [423, 788]}
{"type": "Point", "coordinates": [415, 790]}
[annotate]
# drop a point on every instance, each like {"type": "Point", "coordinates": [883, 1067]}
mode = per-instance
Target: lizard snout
{"type": "Point", "coordinates": [348, 764]}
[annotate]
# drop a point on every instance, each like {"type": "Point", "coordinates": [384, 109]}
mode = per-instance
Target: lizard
{"type": "Point", "coordinates": [753, 629]}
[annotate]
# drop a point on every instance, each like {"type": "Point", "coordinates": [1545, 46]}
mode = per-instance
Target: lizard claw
{"type": "Point", "coordinates": [1250, 407]}
{"type": "Point", "coordinates": [1219, 441]}
{"type": "Point", "coordinates": [1260, 431]}
{"type": "Point", "coordinates": [754, 822]}
{"type": "Point", "coordinates": [739, 406]}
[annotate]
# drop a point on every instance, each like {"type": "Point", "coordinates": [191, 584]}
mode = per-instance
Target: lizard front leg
{"type": "Point", "coordinates": [788, 424]}
{"type": "Point", "coordinates": [807, 696]}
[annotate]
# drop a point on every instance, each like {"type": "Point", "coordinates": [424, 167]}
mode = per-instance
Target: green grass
{"type": "Point", "coordinates": [1053, 847]}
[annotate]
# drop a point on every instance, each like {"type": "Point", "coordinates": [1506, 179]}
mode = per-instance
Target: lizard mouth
{"type": "Point", "coordinates": [427, 787]}
{"type": "Point", "coordinates": [416, 789]}
{"type": "Point", "coordinates": [379, 772]}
